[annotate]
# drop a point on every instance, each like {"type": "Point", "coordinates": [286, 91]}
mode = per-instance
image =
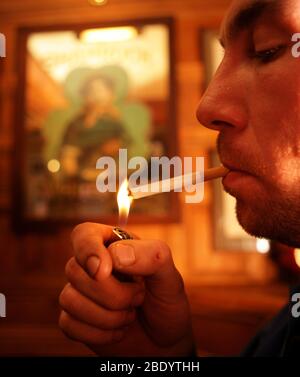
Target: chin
{"type": "Point", "coordinates": [250, 220]}
{"type": "Point", "coordinates": [269, 222]}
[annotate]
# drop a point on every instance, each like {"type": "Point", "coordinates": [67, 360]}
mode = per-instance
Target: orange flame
{"type": "Point", "coordinates": [124, 202]}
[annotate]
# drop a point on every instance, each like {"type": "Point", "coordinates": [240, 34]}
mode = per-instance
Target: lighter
{"type": "Point", "coordinates": [120, 235]}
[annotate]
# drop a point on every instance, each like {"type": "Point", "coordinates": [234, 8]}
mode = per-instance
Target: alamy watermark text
{"type": "Point", "coordinates": [2, 306]}
{"type": "Point", "coordinates": [2, 46]}
{"type": "Point", "coordinates": [147, 174]}
{"type": "Point", "coordinates": [296, 46]}
{"type": "Point", "coordinates": [296, 305]}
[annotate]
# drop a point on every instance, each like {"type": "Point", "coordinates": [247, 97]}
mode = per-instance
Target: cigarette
{"type": "Point", "coordinates": [176, 183]}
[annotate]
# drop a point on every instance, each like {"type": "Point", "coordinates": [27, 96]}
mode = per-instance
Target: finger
{"type": "Point", "coordinates": [87, 334]}
{"type": "Point", "coordinates": [164, 287]}
{"type": "Point", "coordinates": [149, 258]}
{"type": "Point", "coordinates": [84, 310]}
{"type": "Point", "coordinates": [88, 241]}
{"type": "Point", "coordinates": [109, 293]}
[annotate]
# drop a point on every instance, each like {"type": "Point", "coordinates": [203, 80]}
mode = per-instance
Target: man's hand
{"type": "Point", "coordinates": [149, 316]}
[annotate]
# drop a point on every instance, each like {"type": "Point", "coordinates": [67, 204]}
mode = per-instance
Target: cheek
{"type": "Point", "coordinates": [287, 172]}
{"type": "Point", "coordinates": [276, 121]}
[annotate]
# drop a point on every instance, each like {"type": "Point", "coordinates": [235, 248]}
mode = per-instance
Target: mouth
{"type": "Point", "coordinates": [234, 168]}
{"type": "Point", "coordinates": [237, 178]}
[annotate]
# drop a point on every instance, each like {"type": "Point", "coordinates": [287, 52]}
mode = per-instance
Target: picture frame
{"type": "Point", "coordinates": [211, 54]}
{"type": "Point", "coordinates": [81, 98]}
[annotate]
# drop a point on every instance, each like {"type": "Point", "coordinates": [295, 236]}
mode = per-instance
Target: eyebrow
{"type": "Point", "coordinates": [247, 16]}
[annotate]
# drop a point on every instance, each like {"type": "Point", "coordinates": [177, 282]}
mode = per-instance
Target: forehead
{"type": "Point", "coordinates": [242, 14]}
{"type": "Point", "coordinates": [237, 5]}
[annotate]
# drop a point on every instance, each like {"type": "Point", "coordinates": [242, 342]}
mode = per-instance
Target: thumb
{"type": "Point", "coordinates": [165, 310]}
{"type": "Point", "coordinates": [151, 259]}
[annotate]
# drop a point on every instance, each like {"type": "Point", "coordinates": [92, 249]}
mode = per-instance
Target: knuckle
{"type": "Point", "coordinates": [64, 321]}
{"type": "Point", "coordinates": [119, 299]}
{"type": "Point", "coordinates": [118, 302]}
{"type": "Point", "coordinates": [70, 268]}
{"type": "Point", "coordinates": [66, 297]}
{"type": "Point", "coordinates": [65, 325]}
{"type": "Point", "coordinates": [80, 234]}
{"type": "Point", "coordinates": [79, 229]}
{"type": "Point", "coordinates": [118, 320]}
{"type": "Point", "coordinates": [76, 230]}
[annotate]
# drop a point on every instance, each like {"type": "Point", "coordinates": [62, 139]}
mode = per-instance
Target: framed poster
{"type": "Point", "coordinates": [87, 91]}
{"type": "Point", "coordinates": [211, 53]}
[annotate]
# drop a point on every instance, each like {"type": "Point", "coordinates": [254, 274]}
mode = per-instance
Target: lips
{"type": "Point", "coordinates": [234, 167]}
{"type": "Point", "coordinates": [238, 179]}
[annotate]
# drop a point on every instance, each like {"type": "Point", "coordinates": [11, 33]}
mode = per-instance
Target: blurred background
{"type": "Point", "coordinates": [149, 84]}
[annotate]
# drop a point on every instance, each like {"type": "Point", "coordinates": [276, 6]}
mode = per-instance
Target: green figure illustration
{"type": "Point", "coordinates": [98, 123]}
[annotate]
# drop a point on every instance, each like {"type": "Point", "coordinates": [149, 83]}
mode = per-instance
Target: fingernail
{"type": "Point", "coordinates": [124, 254]}
{"type": "Point", "coordinates": [92, 265]}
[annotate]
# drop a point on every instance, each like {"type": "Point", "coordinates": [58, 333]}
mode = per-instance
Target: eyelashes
{"type": "Point", "coordinates": [268, 55]}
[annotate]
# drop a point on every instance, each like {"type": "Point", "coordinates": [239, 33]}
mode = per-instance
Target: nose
{"type": "Point", "coordinates": [223, 104]}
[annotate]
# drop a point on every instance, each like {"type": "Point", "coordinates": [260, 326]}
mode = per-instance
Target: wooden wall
{"type": "Point", "coordinates": [32, 265]}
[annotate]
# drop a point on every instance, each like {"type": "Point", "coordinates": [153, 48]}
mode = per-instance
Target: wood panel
{"type": "Point", "coordinates": [14, 7]}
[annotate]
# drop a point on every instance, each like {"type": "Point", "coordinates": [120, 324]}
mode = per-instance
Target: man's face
{"type": "Point", "coordinates": [99, 93]}
{"type": "Point", "coordinates": [254, 103]}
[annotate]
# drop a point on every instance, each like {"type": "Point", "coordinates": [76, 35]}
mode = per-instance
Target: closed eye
{"type": "Point", "coordinates": [268, 55]}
